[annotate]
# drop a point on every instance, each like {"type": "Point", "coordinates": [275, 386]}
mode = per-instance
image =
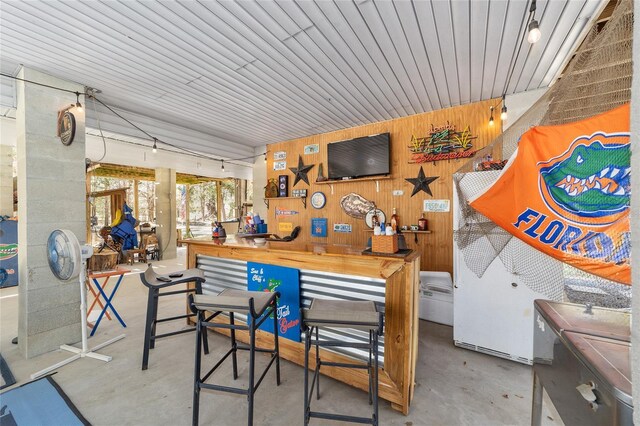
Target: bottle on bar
{"type": "Point", "coordinates": [395, 221]}
{"type": "Point", "coordinates": [422, 223]}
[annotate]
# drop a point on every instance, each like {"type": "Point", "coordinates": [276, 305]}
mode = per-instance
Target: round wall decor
{"type": "Point", "coordinates": [380, 217]}
{"type": "Point", "coordinates": [318, 200]}
{"type": "Point", "coordinates": [66, 127]}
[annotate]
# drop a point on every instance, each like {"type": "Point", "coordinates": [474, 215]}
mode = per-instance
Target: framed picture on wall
{"type": "Point", "coordinates": [318, 227]}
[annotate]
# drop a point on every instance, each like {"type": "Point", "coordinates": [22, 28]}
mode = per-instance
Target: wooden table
{"type": "Point", "coordinates": [399, 278]}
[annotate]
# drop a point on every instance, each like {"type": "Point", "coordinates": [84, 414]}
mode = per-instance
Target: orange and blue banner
{"type": "Point", "coordinates": [566, 192]}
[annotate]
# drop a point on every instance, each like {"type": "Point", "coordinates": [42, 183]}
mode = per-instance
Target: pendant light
{"type": "Point", "coordinates": [534, 28]}
{"type": "Point", "coordinates": [78, 104]}
{"type": "Point", "coordinates": [491, 117]}
{"type": "Point", "coordinates": [155, 145]}
{"type": "Point", "coordinates": [503, 113]}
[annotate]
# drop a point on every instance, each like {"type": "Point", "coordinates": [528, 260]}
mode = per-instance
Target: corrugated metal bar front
{"type": "Point", "coordinates": [223, 273]}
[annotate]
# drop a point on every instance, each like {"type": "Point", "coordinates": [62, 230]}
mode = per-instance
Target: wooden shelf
{"type": "Point", "coordinates": [405, 232]}
{"type": "Point", "coordinates": [330, 182]}
{"type": "Point", "coordinates": [304, 200]}
{"type": "Point", "coordinates": [415, 233]}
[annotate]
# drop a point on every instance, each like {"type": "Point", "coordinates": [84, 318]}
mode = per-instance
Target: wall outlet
{"type": "Point", "coordinates": [397, 192]}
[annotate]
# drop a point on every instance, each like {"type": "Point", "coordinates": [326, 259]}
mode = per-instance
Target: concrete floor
{"type": "Point", "coordinates": [454, 386]}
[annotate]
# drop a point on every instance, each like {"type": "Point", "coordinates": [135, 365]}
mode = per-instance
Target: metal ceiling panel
{"type": "Point", "coordinates": [224, 77]}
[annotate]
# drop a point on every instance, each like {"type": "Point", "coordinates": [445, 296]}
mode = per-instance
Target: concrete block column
{"type": "Point", "coordinates": [6, 180]}
{"type": "Point", "coordinates": [51, 193]}
{"type": "Point", "coordinates": [166, 212]}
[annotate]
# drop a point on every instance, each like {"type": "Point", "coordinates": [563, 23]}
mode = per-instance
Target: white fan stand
{"type": "Point", "coordinates": [85, 252]}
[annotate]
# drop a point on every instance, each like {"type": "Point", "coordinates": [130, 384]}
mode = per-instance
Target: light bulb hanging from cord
{"type": "Point", "coordinates": [78, 104]}
{"type": "Point", "coordinates": [155, 145]}
{"type": "Point", "coordinates": [491, 117]}
{"type": "Point", "coordinates": [503, 113]}
{"type": "Point", "coordinates": [534, 32]}
{"type": "Point", "coordinates": [223, 165]}
{"type": "Point", "coordinates": [265, 158]}
{"type": "Point", "coordinates": [534, 28]}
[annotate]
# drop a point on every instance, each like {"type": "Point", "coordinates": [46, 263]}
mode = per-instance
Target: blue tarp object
{"type": "Point", "coordinates": [125, 231]}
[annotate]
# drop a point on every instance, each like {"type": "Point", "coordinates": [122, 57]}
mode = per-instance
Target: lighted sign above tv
{"type": "Point", "coordinates": [360, 157]}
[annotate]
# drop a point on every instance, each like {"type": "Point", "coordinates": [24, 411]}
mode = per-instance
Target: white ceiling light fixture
{"type": "Point", "coordinates": [534, 27]}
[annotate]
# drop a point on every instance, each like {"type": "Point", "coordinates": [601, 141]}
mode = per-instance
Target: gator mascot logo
{"type": "Point", "coordinates": [590, 182]}
{"type": "Point", "coordinates": [7, 251]}
{"type": "Point", "coordinates": [566, 192]}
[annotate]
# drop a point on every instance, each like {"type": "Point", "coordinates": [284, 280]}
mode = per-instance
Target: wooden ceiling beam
{"type": "Point", "coordinates": [141, 173]}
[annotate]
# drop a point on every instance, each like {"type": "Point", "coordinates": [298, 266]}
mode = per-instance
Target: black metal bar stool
{"type": "Point", "coordinates": [252, 303]}
{"type": "Point", "coordinates": [341, 314]}
{"type": "Point", "coordinates": [155, 283]}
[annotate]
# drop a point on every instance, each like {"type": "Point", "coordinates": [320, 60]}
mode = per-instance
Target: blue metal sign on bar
{"type": "Point", "coordinates": [269, 278]}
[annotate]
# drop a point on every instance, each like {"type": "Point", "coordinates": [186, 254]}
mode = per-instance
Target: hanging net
{"type": "Point", "coordinates": [597, 80]}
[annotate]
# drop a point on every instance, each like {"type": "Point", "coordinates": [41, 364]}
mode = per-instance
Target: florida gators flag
{"type": "Point", "coordinates": [566, 192]}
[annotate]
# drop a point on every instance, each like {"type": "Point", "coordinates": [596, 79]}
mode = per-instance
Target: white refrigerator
{"type": "Point", "coordinates": [494, 314]}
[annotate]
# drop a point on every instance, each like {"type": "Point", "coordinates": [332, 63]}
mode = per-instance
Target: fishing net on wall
{"type": "Point", "coordinates": [597, 80]}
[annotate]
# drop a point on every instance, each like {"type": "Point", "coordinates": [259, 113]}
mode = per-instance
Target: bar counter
{"type": "Point", "coordinates": [334, 271]}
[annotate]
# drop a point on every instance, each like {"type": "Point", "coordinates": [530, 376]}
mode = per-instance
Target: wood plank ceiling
{"type": "Point", "coordinates": [223, 77]}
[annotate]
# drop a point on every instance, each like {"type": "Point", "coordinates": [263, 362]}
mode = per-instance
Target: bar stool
{"type": "Point", "coordinates": [252, 303]}
{"type": "Point", "coordinates": [341, 314]}
{"type": "Point", "coordinates": [155, 283]}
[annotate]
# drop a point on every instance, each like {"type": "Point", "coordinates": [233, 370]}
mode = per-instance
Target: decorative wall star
{"type": "Point", "coordinates": [421, 183]}
{"type": "Point", "coordinates": [301, 171]}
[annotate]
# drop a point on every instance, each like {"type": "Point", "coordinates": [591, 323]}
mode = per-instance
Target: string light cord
{"type": "Point", "coordinates": [158, 140]}
{"type": "Point", "coordinates": [104, 142]}
{"type": "Point", "coordinates": [151, 138]}
{"type": "Point", "coordinates": [513, 66]}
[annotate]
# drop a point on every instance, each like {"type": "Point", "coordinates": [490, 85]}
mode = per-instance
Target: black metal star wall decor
{"type": "Point", "coordinates": [301, 171]}
{"type": "Point", "coordinates": [421, 183]}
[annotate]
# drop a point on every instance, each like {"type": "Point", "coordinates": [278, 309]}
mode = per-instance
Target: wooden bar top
{"type": "Point", "coordinates": [233, 242]}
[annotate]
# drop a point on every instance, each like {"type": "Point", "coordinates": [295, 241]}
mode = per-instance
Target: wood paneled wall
{"type": "Point", "coordinates": [437, 247]}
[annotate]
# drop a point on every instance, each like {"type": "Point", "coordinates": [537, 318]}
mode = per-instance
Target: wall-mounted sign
{"type": "Point", "coordinates": [66, 127]}
{"type": "Point", "coordinates": [285, 226]}
{"type": "Point", "coordinates": [311, 149]}
{"type": "Point", "coordinates": [341, 227]}
{"type": "Point", "coordinates": [280, 155]}
{"type": "Point", "coordinates": [318, 227]}
{"type": "Point", "coordinates": [270, 278]}
{"type": "Point", "coordinates": [438, 206]}
{"type": "Point", "coordinates": [283, 185]}
{"type": "Point", "coordinates": [279, 165]}
{"type": "Point", "coordinates": [284, 212]}
{"type": "Point", "coordinates": [300, 193]}
{"type": "Point", "coordinates": [442, 143]}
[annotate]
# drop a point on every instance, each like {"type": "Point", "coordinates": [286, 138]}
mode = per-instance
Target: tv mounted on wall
{"type": "Point", "coordinates": [360, 157]}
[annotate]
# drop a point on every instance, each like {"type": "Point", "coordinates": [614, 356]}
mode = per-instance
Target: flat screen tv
{"type": "Point", "coordinates": [360, 157]}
